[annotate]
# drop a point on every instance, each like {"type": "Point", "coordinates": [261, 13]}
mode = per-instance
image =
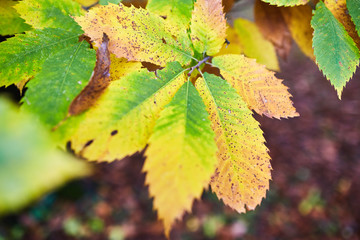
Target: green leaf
{"type": "Point", "coordinates": [354, 9]}
{"type": "Point", "coordinates": [61, 79]}
{"type": "Point", "coordinates": [123, 119]}
{"type": "Point", "coordinates": [50, 14]}
{"type": "Point", "coordinates": [30, 164]}
{"type": "Point", "coordinates": [10, 21]}
{"type": "Point", "coordinates": [106, 2]}
{"type": "Point", "coordinates": [184, 128]}
{"type": "Point", "coordinates": [23, 55]}
{"type": "Point", "coordinates": [336, 53]}
{"type": "Point", "coordinates": [243, 171]}
{"type": "Point", "coordinates": [176, 11]}
{"type": "Point", "coordinates": [286, 3]}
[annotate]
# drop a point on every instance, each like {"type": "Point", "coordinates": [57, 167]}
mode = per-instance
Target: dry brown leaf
{"type": "Point", "coordinates": [273, 26]}
{"type": "Point", "coordinates": [98, 82]}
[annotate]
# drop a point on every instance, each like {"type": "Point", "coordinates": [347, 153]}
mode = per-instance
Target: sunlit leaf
{"type": "Point", "coordinates": [135, 34]}
{"type": "Point", "coordinates": [50, 13]}
{"type": "Point", "coordinates": [123, 119]}
{"type": "Point", "coordinates": [23, 55]}
{"type": "Point", "coordinates": [257, 86]}
{"type": "Point", "coordinates": [183, 132]}
{"type": "Point", "coordinates": [243, 171]}
{"type": "Point", "coordinates": [208, 26]}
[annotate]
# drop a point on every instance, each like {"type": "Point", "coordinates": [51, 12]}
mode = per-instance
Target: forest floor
{"type": "Point", "coordinates": [314, 194]}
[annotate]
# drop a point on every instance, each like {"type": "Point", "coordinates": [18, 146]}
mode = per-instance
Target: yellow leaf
{"type": "Point", "coordinates": [136, 34]}
{"type": "Point", "coordinates": [87, 3]}
{"type": "Point", "coordinates": [243, 171]}
{"type": "Point", "coordinates": [121, 122]}
{"type": "Point", "coordinates": [183, 132]}
{"type": "Point", "coordinates": [208, 26]}
{"type": "Point", "coordinates": [234, 45]}
{"type": "Point", "coordinates": [120, 67]}
{"type": "Point", "coordinates": [339, 10]}
{"type": "Point", "coordinates": [298, 20]}
{"type": "Point", "coordinates": [255, 45]}
{"type": "Point", "coordinates": [272, 25]}
{"type": "Point", "coordinates": [259, 88]}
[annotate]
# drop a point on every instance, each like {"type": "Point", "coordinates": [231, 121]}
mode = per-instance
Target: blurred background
{"type": "Point", "coordinates": [314, 194]}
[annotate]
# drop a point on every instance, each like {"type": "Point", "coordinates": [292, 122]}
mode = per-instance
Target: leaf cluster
{"type": "Point", "coordinates": [87, 82]}
{"type": "Point", "coordinates": [334, 33]}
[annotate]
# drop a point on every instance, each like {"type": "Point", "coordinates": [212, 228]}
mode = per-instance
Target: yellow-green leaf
{"type": "Point", "coordinates": [120, 67]}
{"type": "Point", "coordinates": [286, 3]}
{"type": "Point", "coordinates": [124, 116]}
{"type": "Point", "coordinates": [10, 21]}
{"type": "Point", "coordinates": [22, 56]}
{"type": "Point", "coordinates": [63, 76]}
{"type": "Point", "coordinates": [176, 11]}
{"type": "Point", "coordinates": [50, 13]}
{"type": "Point", "coordinates": [208, 26]}
{"type": "Point", "coordinates": [258, 87]}
{"type": "Point", "coordinates": [136, 34]}
{"type": "Point", "coordinates": [243, 170]}
{"type": "Point", "coordinates": [181, 156]}
{"type": "Point", "coordinates": [255, 45]}
{"type": "Point", "coordinates": [30, 163]}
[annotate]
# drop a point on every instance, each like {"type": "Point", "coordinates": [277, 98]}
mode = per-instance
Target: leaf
{"type": "Point", "coordinates": [243, 171]}
{"type": "Point", "coordinates": [123, 119]}
{"type": "Point", "coordinates": [106, 2]}
{"type": "Point", "coordinates": [98, 82]}
{"type": "Point", "coordinates": [233, 46]}
{"type": "Point", "coordinates": [339, 10]}
{"type": "Point", "coordinates": [30, 164]}
{"type": "Point", "coordinates": [10, 21]}
{"type": "Point", "coordinates": [286, 3]}
{"type": "Point", "coordinates": [61, 79]}
{"type": "Point", "coordinates": [23, 55]}
{"type": "Point", "coordinates": [255, 45]}
{"type": "Point", "coordinates": [178, 12]}
{"type": "Point", "coordinates": [120, 67]}
{"type": "Point", "coordinates": [87, 3]}
{"type": "Point", "coordinates": [135, 34]}
{"type": "Point", "coordinates": [258, 87]}
{"type": "Point", "coordinates": [208, 26]}
{"type": "Point", "coordinates": [272, 25]}
{"type": "Point", "coordinates": [298, 20]}
{"type": "Point", "coordinates": [354, 10]}
{"type": "Point", "coordinates": [183, 132]}
{"type": "Point", "coordinates": [336, 53]}
{"type": "Point", "coordinates": [50, 14]}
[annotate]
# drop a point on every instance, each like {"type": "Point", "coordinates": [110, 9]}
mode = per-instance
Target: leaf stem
{"type": "Point", "coordinates": [197, 66]}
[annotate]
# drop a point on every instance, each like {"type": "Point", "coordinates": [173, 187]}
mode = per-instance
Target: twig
{"type": "Point", "coordinates": [198, 65]}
